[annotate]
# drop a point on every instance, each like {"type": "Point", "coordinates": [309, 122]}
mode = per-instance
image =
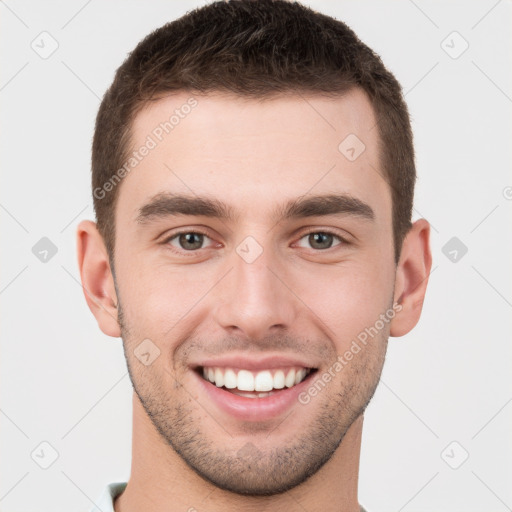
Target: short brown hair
{"type": "Point", "coordinates": [256, 49]}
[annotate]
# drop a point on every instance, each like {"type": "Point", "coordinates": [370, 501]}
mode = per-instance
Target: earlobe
{"type": "Point", "coordinates": [412, 278]}
{"type": "Point", "coordinates": [97, 279]}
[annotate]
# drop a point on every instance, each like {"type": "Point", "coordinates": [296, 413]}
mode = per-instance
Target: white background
{"type": "Point", "coordinates": [64, 382]}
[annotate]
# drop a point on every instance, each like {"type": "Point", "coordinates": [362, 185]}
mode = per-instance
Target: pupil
{"type": "Point", "coordinates": [317, 237]}
{"type": "Point", "coordinates": [188, 238]}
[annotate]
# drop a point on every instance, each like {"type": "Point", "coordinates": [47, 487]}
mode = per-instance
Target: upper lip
{"type": "Point", "coordinates": [268, 362]}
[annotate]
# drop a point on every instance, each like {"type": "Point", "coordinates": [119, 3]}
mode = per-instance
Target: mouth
{"type": "Point", "coordinates": [255, 384]}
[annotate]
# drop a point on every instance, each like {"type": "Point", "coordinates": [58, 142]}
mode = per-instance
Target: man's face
{"type": "Point", "coordinates": [257, 286]}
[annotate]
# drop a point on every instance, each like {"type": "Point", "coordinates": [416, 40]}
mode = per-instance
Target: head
{"type": "Point", "coordinates": [253, 177]}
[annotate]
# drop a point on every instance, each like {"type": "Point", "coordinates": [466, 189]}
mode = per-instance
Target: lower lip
{"type": "Point", "coordinates": [254, 409]}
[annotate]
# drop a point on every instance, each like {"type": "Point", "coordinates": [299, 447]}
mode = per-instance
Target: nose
{"type": "Point", "coordinates": [255, 297]}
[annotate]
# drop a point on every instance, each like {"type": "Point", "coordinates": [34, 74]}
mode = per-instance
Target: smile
{"type": "Point", "coordinates": [252, 384]}
{"type": "Point", "coordinates": [253, 395]}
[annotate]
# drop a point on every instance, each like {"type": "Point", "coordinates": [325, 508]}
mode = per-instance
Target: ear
{"type": "Point", "coordinates": [97, 279]}
{"type": "Point", "coordinates": [412, 277]}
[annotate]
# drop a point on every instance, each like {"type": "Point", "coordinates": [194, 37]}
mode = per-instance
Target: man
{"type": "Point", "coordinates": [253, 177]}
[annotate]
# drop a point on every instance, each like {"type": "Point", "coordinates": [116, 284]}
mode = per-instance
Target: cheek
{"type": "Point", "coordinates": [349, 299]}
{"type": "Point", "coordinates": [159, 298]}
{"type": "Point", "coordinates": [146, 297]}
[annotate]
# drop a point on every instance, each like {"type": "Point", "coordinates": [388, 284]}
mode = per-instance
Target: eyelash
{"type": "Point", "coordinates": [165, 242]}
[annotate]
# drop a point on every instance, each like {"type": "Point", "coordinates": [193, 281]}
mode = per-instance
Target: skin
{"type": "Point", "coordinates": [295, 298]}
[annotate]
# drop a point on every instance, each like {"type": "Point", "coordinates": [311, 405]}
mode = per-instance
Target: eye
{"type": "Point", "coordinates": [322, 240]}
{"type": "Point", "coordinates": [187, 240]}
{"type": "Point", "coordinates": [192, 241]}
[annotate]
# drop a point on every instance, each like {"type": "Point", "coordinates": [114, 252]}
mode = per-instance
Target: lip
{"type": "Point", "coordinates": [254, 364]}
{"type": "Point", "coordinates": [253, 409]}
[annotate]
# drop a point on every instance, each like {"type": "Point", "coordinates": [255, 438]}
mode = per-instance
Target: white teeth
{"type": "Point", "coordinates": [219, 377]}
{"type": "Point", "coordinates": [246, 381]}
{"type": "Point", "coordinates": [263, 381]}
{"type": "Point", "coordinates": [300, 375]}
{"type": "Point", "coordinates": [279, 379]}
{"type": "Point", "coordinates": [289, 381]}
{"type": "Point", "coordinates": [230, 379]}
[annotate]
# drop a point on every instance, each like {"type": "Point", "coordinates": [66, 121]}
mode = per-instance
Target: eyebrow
{"type": "Point", "coordinates": [165, 204]}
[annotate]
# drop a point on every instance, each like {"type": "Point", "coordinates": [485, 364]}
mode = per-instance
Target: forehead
{"type": "Point", "coordinates": [250, 152]}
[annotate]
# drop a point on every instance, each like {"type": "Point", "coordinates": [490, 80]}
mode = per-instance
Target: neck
{"type": "Point", "coordinates": [161, 481]}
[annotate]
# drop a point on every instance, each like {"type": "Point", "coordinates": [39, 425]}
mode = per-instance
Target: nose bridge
{"type": "Point", "coordinates": [253, 300]}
